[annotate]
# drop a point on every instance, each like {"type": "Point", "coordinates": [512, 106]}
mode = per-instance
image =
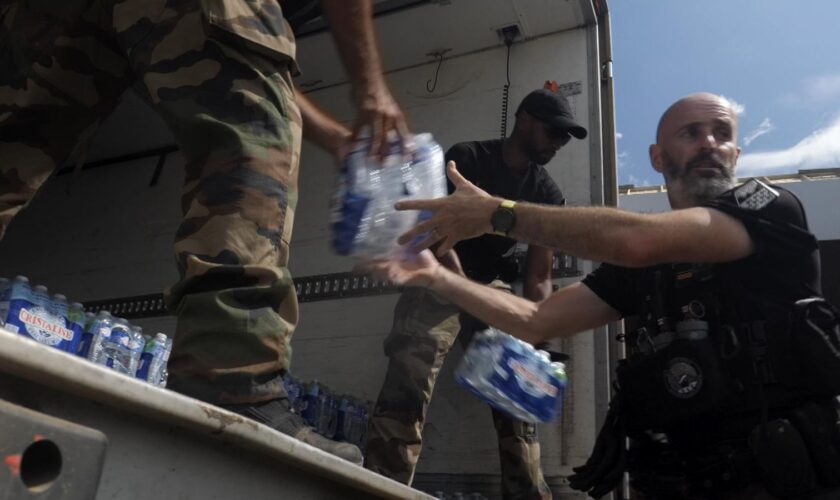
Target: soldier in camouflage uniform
{"type": "Point", "coordinates": [426, 326]}
{"type": "Point", "coordinates": [219, 73]}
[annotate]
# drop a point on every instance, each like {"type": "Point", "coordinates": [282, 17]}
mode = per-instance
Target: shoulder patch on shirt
{"type": "Point", "coordinates": [754, 195]}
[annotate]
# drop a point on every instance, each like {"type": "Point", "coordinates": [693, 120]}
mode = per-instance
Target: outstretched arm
{"type": "Point", "coordinates": [596, 233]}
{"type": "Point", "coordinates": [568, 311]}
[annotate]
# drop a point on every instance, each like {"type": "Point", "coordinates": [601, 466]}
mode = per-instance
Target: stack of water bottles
{"type": "Point", "coordinates": [101, 338]}
{"type": "Point", "coordinates": [340, 417]}
{"type": "Point", "coordinates": [364, 222]}
{"type": "Point", "coordinates": [513, 377]}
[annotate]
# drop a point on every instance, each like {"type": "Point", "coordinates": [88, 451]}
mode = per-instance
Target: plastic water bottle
{"type": "Point", "coordinates": [310, 409]}
{"type": "Point", "coordinates": [153, 359]}
{"type": "Point", "coordinates": [76, 319]}
{"type": "Point", "coordinates": [20, 297]}
{"type": "Point", "coordinates": [87, 335]}
{"type": "Point", "coordinates": [59, 309]}
{"type": "Point", "coordinates": [151, 348]}
{"type": "Point", "coordinates": [59, 306]}
{"type": "Point", "coordinates": [350, 425]}
{"type": "Point", "coordinates": [363, 416]}
{"type": "Point", "coordinates": [332, 421]}
{"type": "Point", "coordinates": [136, 344]}
{"type": "Point", "coordinates": [364, 222]}
{"type": "Point", "coordinates": [98, 334]}
{"type": "Point", "coordinates": [115, 353]}
{"type": "Point", "coordinates": [324, 415]}
{"type": "Point", "coordinates": [41, 297]}
{"type": "Point", "coordinates": [293, 392]}
{"type": "Point", "coordinates": [342, 419]}
{"type": "Point", "coordinates": [427, 164]}
{"type": "Point", "coordinates": [513, 377]}
{"type": "Point", "coordinates": [165, 370]}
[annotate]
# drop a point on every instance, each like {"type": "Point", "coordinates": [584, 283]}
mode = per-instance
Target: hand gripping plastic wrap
{"type": "Point", "coordinates": [363, 219]}
{"type": "Point", "coordinates": [512, 376]}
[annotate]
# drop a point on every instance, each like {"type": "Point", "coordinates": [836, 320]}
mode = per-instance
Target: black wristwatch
{"type": "Point", "coordinates": [503, 218]}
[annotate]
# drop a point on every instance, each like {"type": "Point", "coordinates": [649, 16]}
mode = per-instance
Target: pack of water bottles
{"type": "Point", "coordinates": [101, 338]}
{"type": "Point", "coordinates": [340, 417]}
{"type": "Point", "coordinates": [513, 377]}
{"type": "Point", "coordinates": [364, 222]}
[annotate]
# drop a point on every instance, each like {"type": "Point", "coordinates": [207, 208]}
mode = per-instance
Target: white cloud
{"type": "Point", "coordinates": [739, 108]}
{"type": "Point", "coordinates": [619, 135]}
{"type": "Point", "coordinates": [763, 128]}
{"type": "Point", "coordinates": [816, 90]}
{"type": "Point", "coordinates": [821, 149]}
{"type": "Point", "coordinates": [824, 87]}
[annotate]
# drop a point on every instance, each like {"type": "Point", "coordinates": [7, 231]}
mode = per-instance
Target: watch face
{"type": "Point", "coordinates": [502, 220]}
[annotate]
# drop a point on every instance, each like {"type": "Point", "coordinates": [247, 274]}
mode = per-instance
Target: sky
{"type": "Point", "coordinates": [777, 60]}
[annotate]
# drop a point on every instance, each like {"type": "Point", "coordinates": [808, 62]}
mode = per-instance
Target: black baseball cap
{"type": "Point", "coordinates": [553, 109]}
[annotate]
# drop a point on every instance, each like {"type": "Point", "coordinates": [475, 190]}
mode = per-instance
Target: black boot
{"type": "Point", "coordinates": [278, 415]}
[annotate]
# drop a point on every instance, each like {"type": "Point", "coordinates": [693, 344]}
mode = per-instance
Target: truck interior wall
{"type": "Point", "coordinates": [106, 232]}
{"type": "Point", "coordinates": [347, 334]}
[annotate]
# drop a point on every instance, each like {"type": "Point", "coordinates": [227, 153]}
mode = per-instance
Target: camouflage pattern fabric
{"type": "Point", "coordinates": [220, 77]}
{"type": "Point", "coordinates": [425, 328]}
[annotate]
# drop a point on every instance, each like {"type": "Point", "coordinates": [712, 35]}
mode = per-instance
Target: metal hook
{"type": "Point", "coordinates": [439, 55]}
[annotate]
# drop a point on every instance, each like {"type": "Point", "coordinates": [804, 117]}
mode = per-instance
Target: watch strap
{"type": "Point", "coordinates": [505, 205]}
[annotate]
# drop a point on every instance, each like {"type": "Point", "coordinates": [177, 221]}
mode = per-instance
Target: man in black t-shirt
{"type": "Point", "coordinates": [715, 393]}
{"type": "Point", "coordinates": [426, 326]}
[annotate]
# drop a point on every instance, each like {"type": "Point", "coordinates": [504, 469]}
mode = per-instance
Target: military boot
{"type": "Point", "coordinates": [278, 415]}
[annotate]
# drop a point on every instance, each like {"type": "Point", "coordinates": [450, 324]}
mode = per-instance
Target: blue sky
{"type": "Point", "coordinates": [778, 59]}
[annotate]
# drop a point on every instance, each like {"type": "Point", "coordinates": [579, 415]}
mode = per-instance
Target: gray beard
{"type": "Point", "coordinates": [690, 191]}
{"type": "Point", "coordinates": [696, 191]}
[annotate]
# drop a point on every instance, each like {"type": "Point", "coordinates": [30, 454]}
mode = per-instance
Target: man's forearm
{"type": "Point", "coordinates": [594, 233]}
{"type": "Point", "coordinates": [319, 127]}
{"type": "Point", "coordinates": [352, 28]}
{"type": "Point", "coordinates": [507, 312]}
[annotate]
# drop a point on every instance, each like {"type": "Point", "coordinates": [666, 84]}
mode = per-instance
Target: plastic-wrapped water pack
{"type": "Point", "coordinates": [364, 221]}
{"type": "Point", "coordinates": [512, 376]}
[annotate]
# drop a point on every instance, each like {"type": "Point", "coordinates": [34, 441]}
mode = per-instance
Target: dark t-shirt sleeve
{"type": "Point", "coordinates": [465, 160]}
{"type": "Point", "coordinates": [777, 226]}
{"type": "Point", "coordinates": [616, 286]}
{"type": "Point", "coordinates": [550, 193]}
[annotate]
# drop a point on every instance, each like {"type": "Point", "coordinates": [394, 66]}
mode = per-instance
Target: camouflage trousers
{"type": "Point", "coordinates": [224, 88]}
{"type": "Point", "coordinates": [425, 328]}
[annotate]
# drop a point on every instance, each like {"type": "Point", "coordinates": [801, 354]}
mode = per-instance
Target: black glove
{"type": "Point", "coordinates": [605, 468]}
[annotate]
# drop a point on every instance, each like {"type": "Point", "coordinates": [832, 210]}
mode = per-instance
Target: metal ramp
{"type": "Point", "coordinates": [160, 444]}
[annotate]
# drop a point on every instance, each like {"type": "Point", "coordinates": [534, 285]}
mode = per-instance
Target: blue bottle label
{"type": "Point", "coordinates": [39, 324]}
{"type": "Point", "coordinates": [512, 377]}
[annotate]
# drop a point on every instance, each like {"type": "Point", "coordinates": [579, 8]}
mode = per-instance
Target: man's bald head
{"type": "Point", "coordinates": [692, 100]}
{"type": "Point", "coordinates": [696, 148]}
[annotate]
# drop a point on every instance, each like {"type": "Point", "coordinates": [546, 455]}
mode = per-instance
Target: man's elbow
{"type": "Point", "coordinates": [635, 251]}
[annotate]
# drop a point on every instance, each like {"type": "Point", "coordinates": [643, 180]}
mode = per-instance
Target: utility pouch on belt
{"type": "Point", "coordinates": [683, 379]}
{"type": "Point", "coordinates": [816, 324]}
{"type": "Point", "coordinates": [782, 457]}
